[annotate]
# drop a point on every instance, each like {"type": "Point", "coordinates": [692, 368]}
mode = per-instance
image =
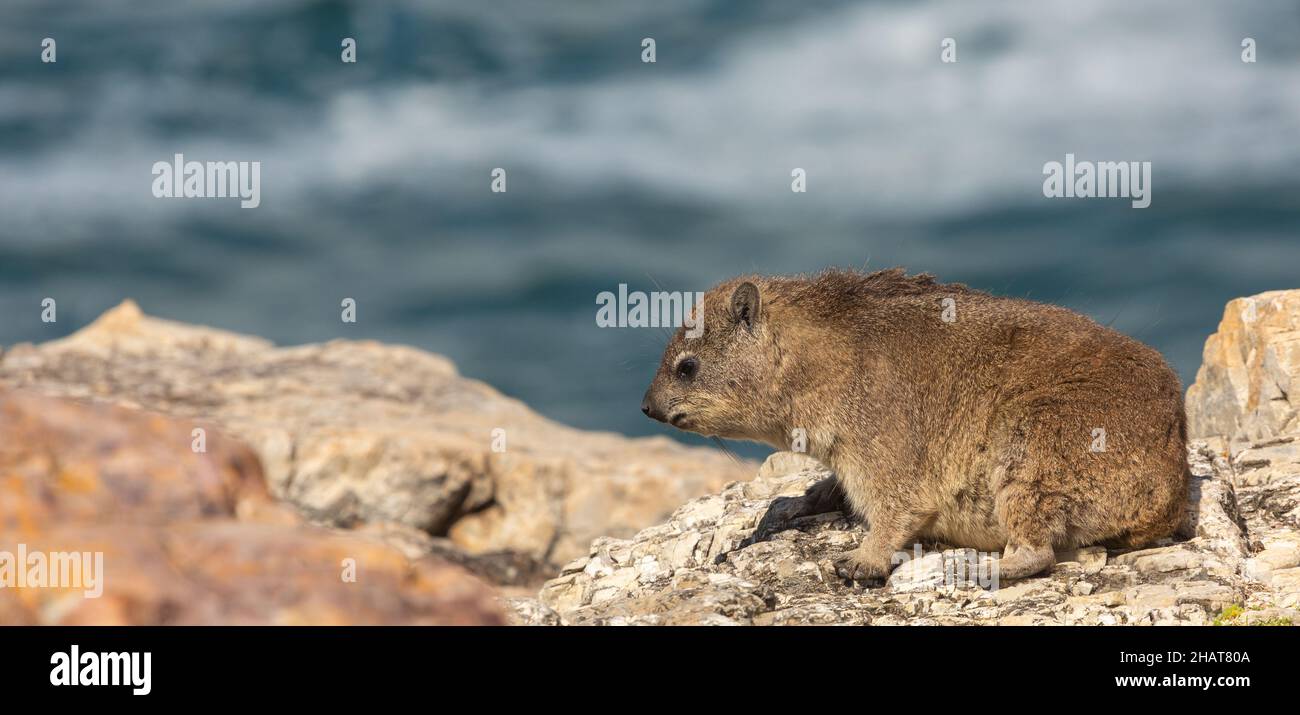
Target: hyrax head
{"type": "Point", "coordinates": [715, 381]}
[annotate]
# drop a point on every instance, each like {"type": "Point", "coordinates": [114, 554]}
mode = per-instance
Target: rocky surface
{"type": "Point", "coordinates": [1268, 490]}
{"type": "Point", "coordinates": [353, 432]}
{"type": "Point", "coordinates": [392, 446]}
{"type": "Point", "coordinates": [760, 552]}
{"type": "Point", "coordinates": [1248, 386]}
{"type": "Point", "coordinates": [188, 537]}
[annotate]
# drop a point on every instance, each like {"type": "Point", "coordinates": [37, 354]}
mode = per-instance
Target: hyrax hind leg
{"type": "Point", "coordinates": [1021, 560]}
{"type": "Point", "coordinates": [1032, 511]}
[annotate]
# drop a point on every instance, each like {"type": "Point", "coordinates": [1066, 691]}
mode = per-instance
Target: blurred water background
{"type": "Point", "coordinates": [375, 175]}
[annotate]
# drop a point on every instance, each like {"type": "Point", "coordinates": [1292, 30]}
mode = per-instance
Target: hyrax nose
{"type": "Point", "coordinates": [648, 407]}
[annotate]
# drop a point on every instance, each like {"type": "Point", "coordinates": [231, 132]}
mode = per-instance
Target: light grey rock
{"type": "Point", "coordinates": [1179, 558]}
{"type": "Point", "coordinates": [1089, 559]}
{"type": "Point", "coordinates": [760, 552]}
{"type": "Point", "coordinates": [530, 612]}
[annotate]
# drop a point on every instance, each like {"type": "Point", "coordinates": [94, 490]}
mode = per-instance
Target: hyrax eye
{"type": "Point", "coordinates": [686, 368]}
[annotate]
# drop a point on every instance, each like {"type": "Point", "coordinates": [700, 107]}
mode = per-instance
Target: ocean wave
{"type": "Point", "coordinates": [375, 176]}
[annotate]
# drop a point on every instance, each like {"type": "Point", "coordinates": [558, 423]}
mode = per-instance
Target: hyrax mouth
{"type": "Point", "coordinates": [677, 420]}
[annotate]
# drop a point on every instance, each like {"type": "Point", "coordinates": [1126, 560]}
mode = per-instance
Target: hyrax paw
{"type": "Point", "coordinates": [855, 566]}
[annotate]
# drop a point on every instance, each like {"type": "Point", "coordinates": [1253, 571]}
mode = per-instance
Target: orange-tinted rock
{"type": "Point", "coordinates": [221, 571]}
{"type": "Point", "coordinates": [1248, 385]}
{"type": "Point", "coordinates": [64, 461]}
{"type": "Point", "coordinates": [109, 516]}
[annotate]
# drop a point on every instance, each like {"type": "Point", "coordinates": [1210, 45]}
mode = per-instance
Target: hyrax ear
{"type": "Point", "coordinates": [745, 305]}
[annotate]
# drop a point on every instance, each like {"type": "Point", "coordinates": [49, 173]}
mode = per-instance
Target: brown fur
{"type": "Point", "coordinates": [978, 432]}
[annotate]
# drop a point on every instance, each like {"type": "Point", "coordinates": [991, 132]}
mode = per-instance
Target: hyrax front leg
{"type": "Point", "coordinates": [874, 558]}
{"type": "Point", "coordinates": [871, 561]}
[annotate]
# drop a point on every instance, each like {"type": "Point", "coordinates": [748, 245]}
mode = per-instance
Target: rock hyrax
{"type": "Point", "coordinates": [947, 414]}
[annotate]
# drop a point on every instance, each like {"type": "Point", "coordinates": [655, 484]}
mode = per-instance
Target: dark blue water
{"type": "Point", "coordinates": [375, 176]}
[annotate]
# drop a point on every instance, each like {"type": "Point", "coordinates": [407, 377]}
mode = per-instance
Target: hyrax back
{"type": "Point", "coordinates": [946, 413]}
